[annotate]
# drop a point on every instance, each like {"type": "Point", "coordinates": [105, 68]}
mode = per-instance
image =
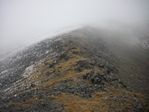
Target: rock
{"type": "Point", "coordinates": [95, 78]}
{"type": "Point", "coordinates": [83, 64]}
{"type": "Point", "coordinates": [64, 56]}
{"type": "Point", "coordinates": [81, 89]}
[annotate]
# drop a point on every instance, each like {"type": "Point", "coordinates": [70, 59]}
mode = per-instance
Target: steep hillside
{"type": "Point", "coordinates": [132, 55]}
{"type": "Point", "coordinates": [73, 72]}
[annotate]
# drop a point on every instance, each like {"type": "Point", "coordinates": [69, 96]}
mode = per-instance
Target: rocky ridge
{"type": "Point", "coordinates": [74, 72]}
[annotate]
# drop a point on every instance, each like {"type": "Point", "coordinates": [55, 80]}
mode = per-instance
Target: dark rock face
{"type": "Point", "coordinates": [95, 78]}
{"type": "Point", "coordinates": [80, 89]}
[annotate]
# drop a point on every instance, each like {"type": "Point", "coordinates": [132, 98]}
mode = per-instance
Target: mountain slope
{"type": "Point", "coordinates": [73, 72]}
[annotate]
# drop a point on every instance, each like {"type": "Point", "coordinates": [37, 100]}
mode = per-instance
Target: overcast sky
{"type": "Point", "coordinates": [23, 22]}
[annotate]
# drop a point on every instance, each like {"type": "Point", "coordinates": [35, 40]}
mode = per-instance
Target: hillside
{"type": "Point", "coordinates": [79, 71]}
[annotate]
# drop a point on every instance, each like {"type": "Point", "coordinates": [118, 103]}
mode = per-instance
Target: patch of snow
{"type": "Point", "coordinates": [28, 71]}
{"type": "Point", "coordinates": [3, 72]}
{"type": "Point", "coordinates": [47, 52]}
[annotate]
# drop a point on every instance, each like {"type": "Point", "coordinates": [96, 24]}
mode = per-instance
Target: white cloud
{"type": "Point", "coordinates": [27, 21]}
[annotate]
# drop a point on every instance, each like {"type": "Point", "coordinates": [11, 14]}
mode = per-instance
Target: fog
{"type": "Point", "coordinates": [23, 22]}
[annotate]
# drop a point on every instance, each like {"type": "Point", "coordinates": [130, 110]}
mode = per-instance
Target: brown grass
{"type": "Point", "coordinates": [101, 101]}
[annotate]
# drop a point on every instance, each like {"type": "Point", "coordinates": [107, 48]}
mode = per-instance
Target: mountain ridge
{"type": "Point", "coordinates": [75, 71]}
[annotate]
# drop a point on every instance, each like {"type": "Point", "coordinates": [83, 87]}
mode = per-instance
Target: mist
{"type": "Point", "coordinates": [24, 22]}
